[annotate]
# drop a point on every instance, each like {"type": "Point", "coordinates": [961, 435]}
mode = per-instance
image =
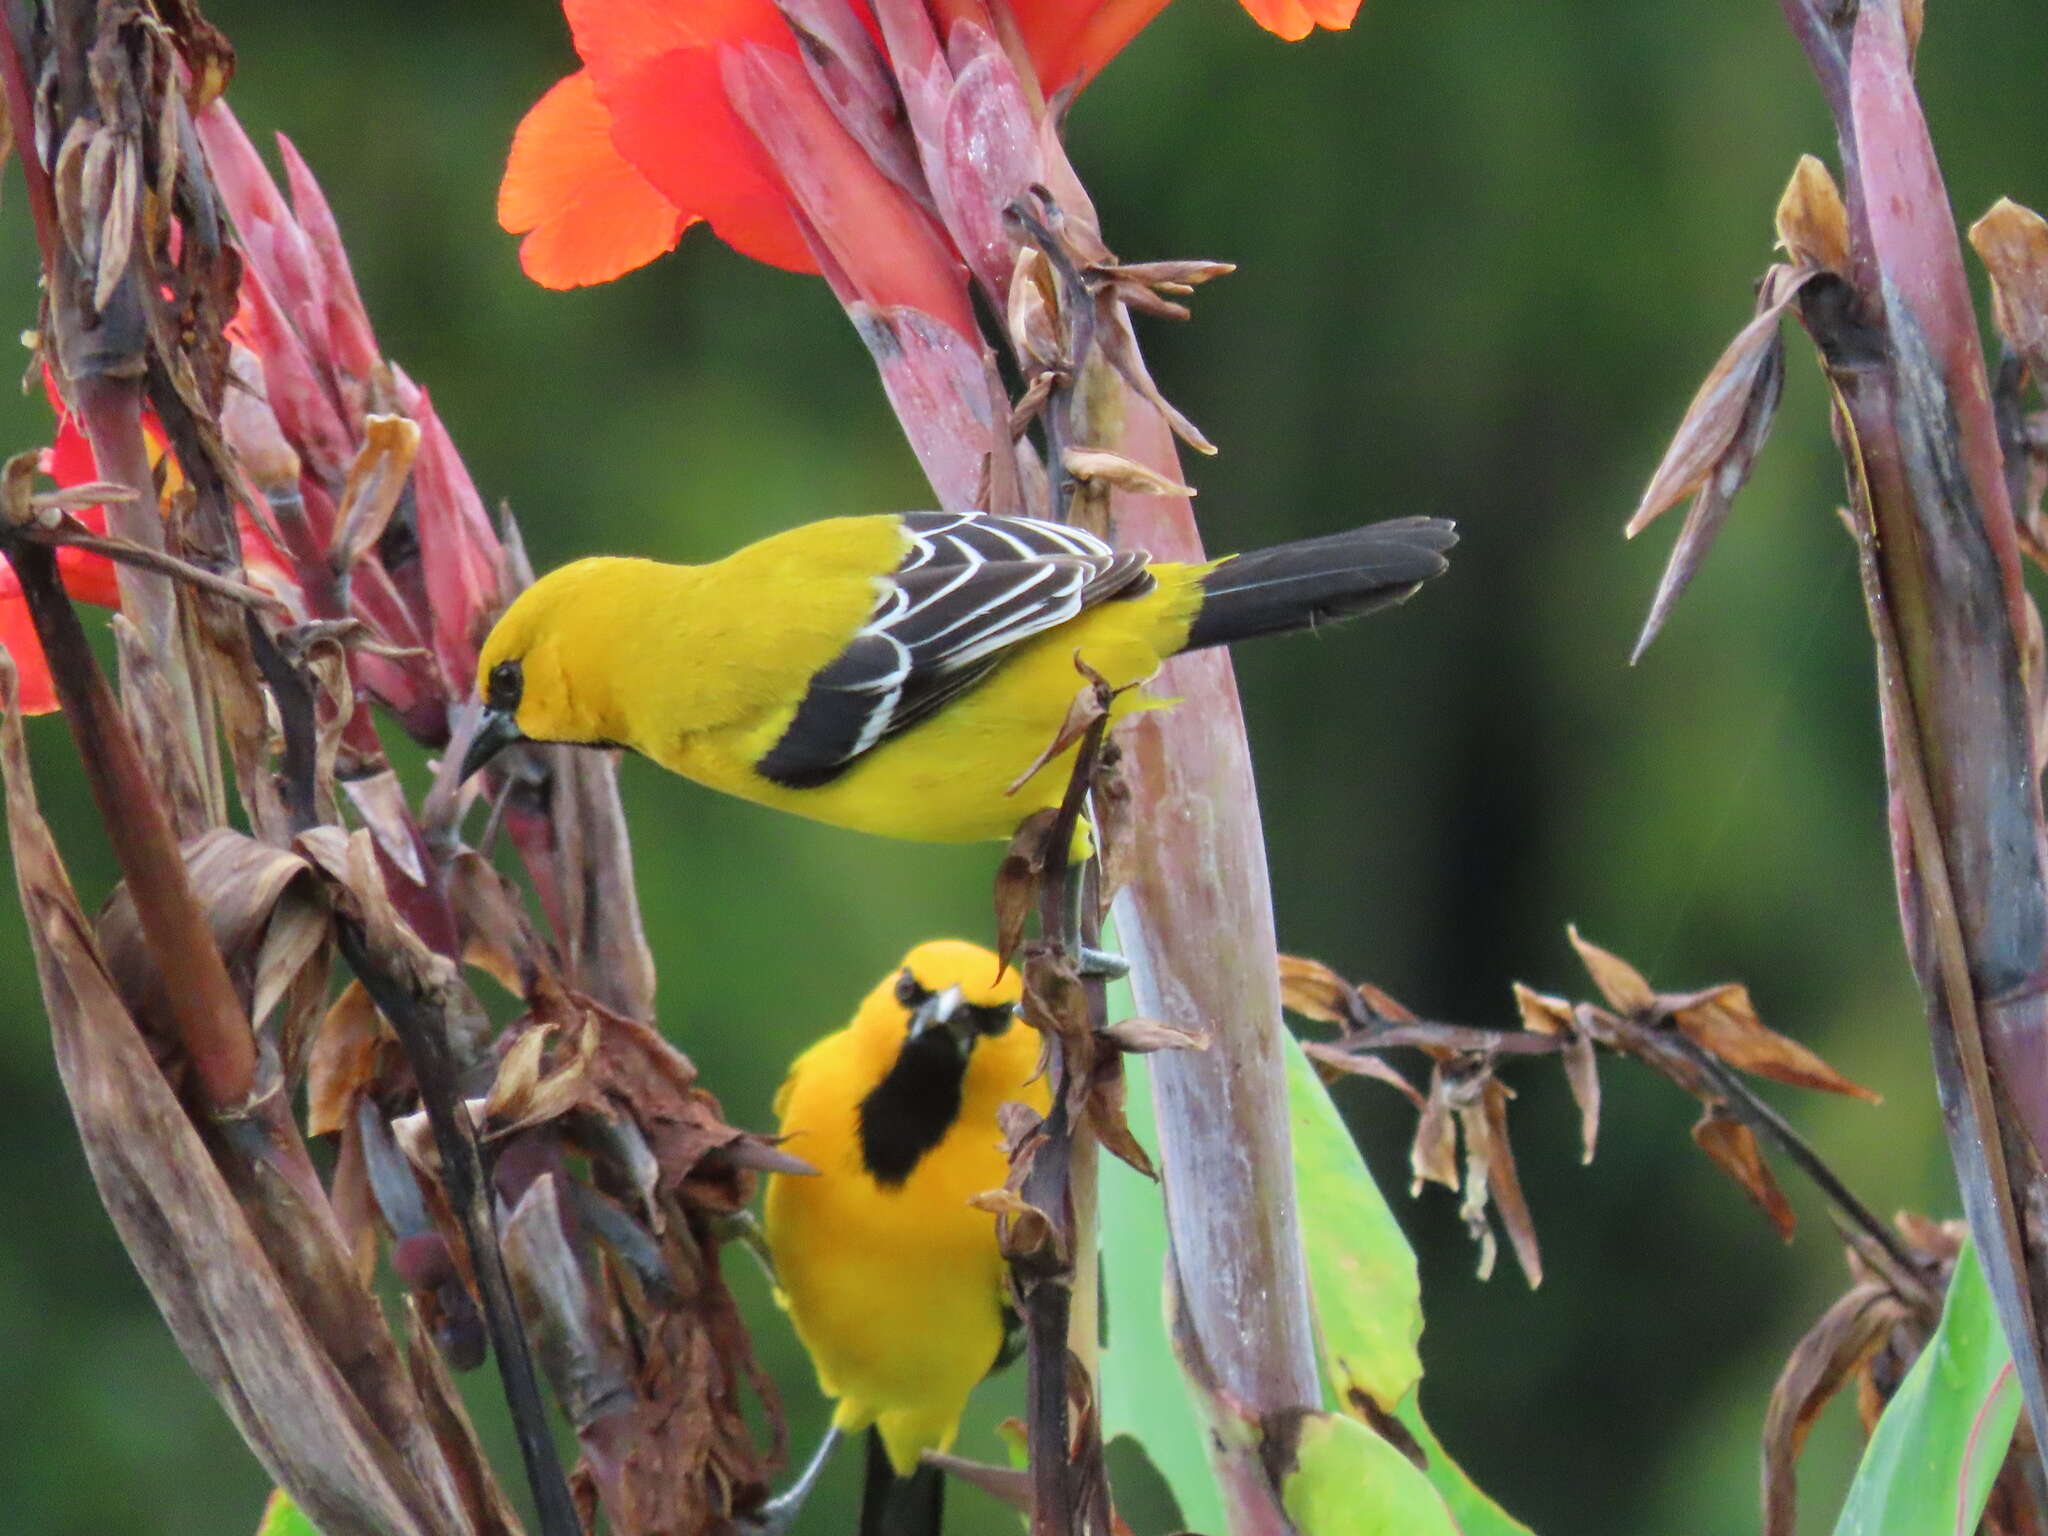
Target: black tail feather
{"type": "Point", "coordinates": [899, 1506]}
{"type": "Point", "coordinates": [1316, 581]}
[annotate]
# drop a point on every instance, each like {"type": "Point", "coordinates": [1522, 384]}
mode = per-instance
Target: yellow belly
{"type": "Point", "coordinates": [948, 779]}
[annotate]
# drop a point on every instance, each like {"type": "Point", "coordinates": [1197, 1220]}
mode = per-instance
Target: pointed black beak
{"type": "Point", "coordinates": [495, 731]}
{"type": "Point", "coordinates": [944, 1010]}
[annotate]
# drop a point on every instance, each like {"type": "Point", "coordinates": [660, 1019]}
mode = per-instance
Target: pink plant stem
{"type": "Point", "coordinates": [1196, 921]}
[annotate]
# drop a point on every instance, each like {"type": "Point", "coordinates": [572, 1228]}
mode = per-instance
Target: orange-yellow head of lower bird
{"type": "Point", "coordinates": [948, 998]}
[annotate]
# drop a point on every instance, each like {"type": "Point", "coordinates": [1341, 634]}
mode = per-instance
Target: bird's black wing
{"type": "Point", "coordinates": [971, 588]}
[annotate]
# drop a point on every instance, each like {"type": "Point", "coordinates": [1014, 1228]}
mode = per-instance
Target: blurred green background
{"type": "Point", "coordinates": [1487, 250]}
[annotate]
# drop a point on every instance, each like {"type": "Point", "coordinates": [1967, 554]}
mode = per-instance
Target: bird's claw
{"type": "Point", "coordinates": [1101, 964]}
{"type": "Point", "coordinates": [775, 1517]}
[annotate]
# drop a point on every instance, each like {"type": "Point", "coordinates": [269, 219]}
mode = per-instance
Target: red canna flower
{"type": "Point", "coordinates": [91, 578]}
{"type": "Point", "coordinates": [87, 577]}
{"type": "Point", "coordinates": [616, 161]}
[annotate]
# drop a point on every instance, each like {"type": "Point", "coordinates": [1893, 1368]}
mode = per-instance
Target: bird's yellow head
{"type": "Point", "coordinates": [542, 672]}
{"type": "Point", "coordinates": [946, 1026]}
{"type": "Point", "coordinates": [946, 984]}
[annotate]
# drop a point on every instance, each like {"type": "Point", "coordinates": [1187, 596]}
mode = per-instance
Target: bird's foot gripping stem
{"type": "Point", "coordinates": [1101, 964]}
{"type": "Point", "coordinates": [1090, 963]}
{"type": "Point", "coordinates": [775, 1517]}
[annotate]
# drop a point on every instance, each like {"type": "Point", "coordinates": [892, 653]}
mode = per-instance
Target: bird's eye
{"type": "Point", "coordinates": [506, 685]}
{"type": "Point", "coordinates": [909, 991]}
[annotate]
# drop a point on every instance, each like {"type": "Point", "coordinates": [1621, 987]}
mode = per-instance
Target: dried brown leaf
{"type": "Point", "coordinates": [1311, 989]}
{"type": "Point", "coordinates": [380, 799]}
{"type": "Point", "coordinates": [1034, 330]}
{"type": "Point", "coordinates": [2012, 242]}
{"type": "Point", "coordinates": [1490, 1172]}
{"type": "Point", "coordinates": [1821, 1363]}
{"type": "Point", "coordinates": [1723, 1021]}
{"type": "Point", "coordinates": [1024, 1232]}
{"type": "Point", "coordinates": [1619, 982]}
{"type": "Point", "coordinates": [569, 1323]}
{"type": "Point", "coordinates": [266, 912]}
{"type": "Point", "coordinates": [1006, 1485]}
{"type": "Point", "coordinates": [1090, 704]}
{"type": "Point", "coordinates": [1813, 225]}
{"type": "Point", "coordinates": [1434, 1155]}
{"type": "Point", "coordinates": [1733, 1146]}
{"type": "Point", "coordinates": [1146, 1035]}
{"type": "Point", "coordinates": [1732, 397]}
{"type": "Point", "coordinates": [1546, 1015]}
{"type": "Point", "coordinates": [519, 1071]}
{"type": "Point", "coordinates": [1361, 1064]}
{"type": "Point", "coordinates": [1582, 1072]}
{"type": "Point", "coordinates": [1089, 465]}
{"type": "Point", "coordinates": [1382, 1006]}
{"type": "Point", "coordinates": [344, 1060]}
{"type": "Point", "coordinates": [1105, 1116]}
{"type": "Point", "coordinates": [1119, 344]}
{"type": "Point", "coordinates": [635, 1073]}
{"type": "Point", "coordinates": [1541, 1012]}
{"type": "Point", "coordinates": [496, 937]}
{"type": "Point", "coordinates": [1017, 877]}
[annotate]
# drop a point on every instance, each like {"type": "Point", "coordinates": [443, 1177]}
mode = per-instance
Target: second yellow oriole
{"type": "Point", "coordinates": [896, 673]}
{"type": "Point", "coordinates": [893, 1280]}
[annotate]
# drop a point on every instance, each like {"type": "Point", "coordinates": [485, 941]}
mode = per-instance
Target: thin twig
{"type": "Point", "coordinates": [128, 552]}
{"type": "Point", "coordinates": [1743, 1101]}
{"type": "Point", "coordinates": [1758, 1115]}
{"type": "Point", "coordinates": [1058, 1468]}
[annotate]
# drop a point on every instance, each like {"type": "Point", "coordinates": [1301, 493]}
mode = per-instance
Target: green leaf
{"type": "Point", "coordinates": [281, 1517]}
{"type": "Point", "coordinates": [1144, 1395]}
{"type": "Point", "coordinates": [1930, 1464]}
{"type": "Point", "coordinates": [1368, 1299]}
{"type": "Point", "coordinates": [1347, 1481]}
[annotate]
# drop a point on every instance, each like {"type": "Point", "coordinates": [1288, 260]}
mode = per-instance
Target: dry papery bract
{"type": "Point", "coordinates": [1692, 1039]}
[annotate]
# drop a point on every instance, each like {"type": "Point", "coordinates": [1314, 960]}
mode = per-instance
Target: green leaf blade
{"type": "Point", "coordinates": [1931, 1461]}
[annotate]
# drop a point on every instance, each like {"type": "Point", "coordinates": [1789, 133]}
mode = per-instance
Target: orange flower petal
{"type": "Point", "coordinates": [1070, 40]}
{"type": "Point", "coordinates": [615, 37]}
{"type": "Point", "coordinates": [1293, 20]}
{"type": "Point", "coordinates": [69, 461]}
{"type": "Point", "coordinates": [655, 66]}
{"type": "Point", "coordinates": [18, 634]}
{"type": "Point", "coordinates": [587, 215]}
{"type": "Point", "coordinates": [89, 578]}
{"type": "Point", "coordinates": [670, 117]}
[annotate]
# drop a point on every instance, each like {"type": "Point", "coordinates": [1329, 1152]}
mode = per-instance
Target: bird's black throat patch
{"type": "Point", "coordinates": [910, 1110]}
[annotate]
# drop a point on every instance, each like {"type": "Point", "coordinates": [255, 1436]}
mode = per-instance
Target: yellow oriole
{"type": "Point", "coordinates": [895, 673]}
{"type": "Point", "coordinates": [892, 1279]}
